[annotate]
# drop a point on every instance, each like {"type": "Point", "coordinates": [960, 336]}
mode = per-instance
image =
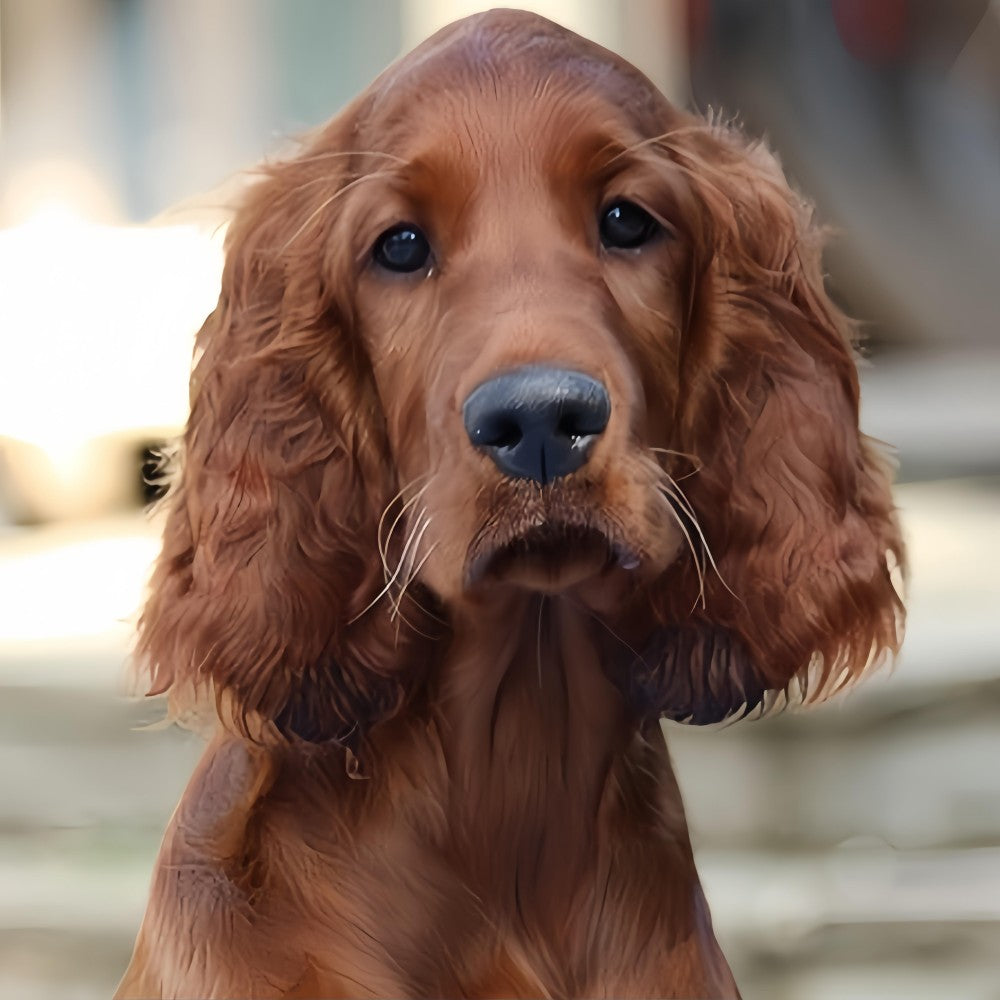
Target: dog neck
{"type": "Point", "coordinates": [539, 749]}
{"type": "Point", "coordinates": [524, 679]}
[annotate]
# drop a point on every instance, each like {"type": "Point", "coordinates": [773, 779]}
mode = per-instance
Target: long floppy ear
{"type": "Point", "coordinates": [791, 501]}
{"type": "Point", "coordinates": [270, 556]}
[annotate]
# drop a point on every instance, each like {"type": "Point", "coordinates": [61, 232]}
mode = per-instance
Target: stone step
{"type": "Point", "coordinates": [77, 758]}
{"type": "Point", "coordinates": [791, 925]}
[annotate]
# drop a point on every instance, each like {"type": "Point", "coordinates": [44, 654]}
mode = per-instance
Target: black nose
{"type": "Point", "coordinates": [537, 423]}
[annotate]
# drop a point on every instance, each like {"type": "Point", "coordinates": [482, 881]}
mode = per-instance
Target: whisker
{"type": "Point", "coordinates": [699, 569]}
{"type": "Point", "coordinates": [406, 621]}
{"type": "Point", "coordinates": [402, 619]}
{"type": "Point", "coordinates": [327, 203]}
{"type": "Point", "coordinates": [378, 597]}
{"type": "Point", "coordinates": [383, 546]}
{"type": "Point", "coordinates": [392, 577]}
{"type": "Point", "coordinates": [654, 141]}
{"type": "Point", "coordinates": [674, 491]}
{"type": "Point", "coordinates": [325, 179]}
{"type": "Point", "coordinates": [682, 496]}
{"type": "Point", "coordinates": [336, 154]}
{"type": "Point", "coordinates": [538, 639]}
{"type": "Point", "coordinates": [410, 576]}
{"type": "Point", "coordinates": [693, 459]}
{"type": "Point", "coordinates": [405, 593]}
{"type": "Point", "coordinates": [687, 475]}
{"type": "Point", "coordinates": [409, 554]}
{"type": "Point", "coordinates": [420, 607]}
{"type": "Point", "coordinates": [414, 530]}
{"type": "Point", "coordinates": [697, 464]}
{"type": "Point", "coordinates": [607, 628]}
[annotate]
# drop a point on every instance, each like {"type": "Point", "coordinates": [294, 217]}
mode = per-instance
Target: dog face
{"type": "Point", "coordinates": [512, 321]}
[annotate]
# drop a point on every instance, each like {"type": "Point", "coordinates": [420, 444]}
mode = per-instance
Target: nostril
{"type": "Point", "coordinates": [501, 432]}
{"type": "Point", "coordinates": [581, 419]}
{"type": "Point", "coordinates": [570, 427]}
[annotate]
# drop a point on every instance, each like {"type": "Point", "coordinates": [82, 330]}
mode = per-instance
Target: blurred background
{"type": "Point", "coordinates": [849, 852]}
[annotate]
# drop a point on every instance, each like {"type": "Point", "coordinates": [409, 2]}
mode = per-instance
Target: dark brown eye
{"type": "Point", "coordinates": [625, 226]}
{"type": "Point", "coordinates": [404, 248]}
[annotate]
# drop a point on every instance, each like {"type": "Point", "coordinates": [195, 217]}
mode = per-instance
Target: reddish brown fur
{"type": "Point", "coordinates": [459, 788]}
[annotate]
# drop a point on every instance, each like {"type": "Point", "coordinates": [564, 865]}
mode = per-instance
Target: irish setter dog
{"type": "Point", "coordinates": [523, 421]}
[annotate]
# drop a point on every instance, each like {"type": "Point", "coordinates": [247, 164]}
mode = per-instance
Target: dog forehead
{"type": "Point", "coordinates": [500, 68]}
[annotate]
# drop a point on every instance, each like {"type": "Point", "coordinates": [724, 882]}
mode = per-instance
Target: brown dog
{"type": "Point", "coordinates": [430, 550]}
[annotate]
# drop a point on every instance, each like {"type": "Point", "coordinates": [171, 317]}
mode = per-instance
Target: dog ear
{"type": "Point", "coordinates": [270, 558]}
{"type": "Point", "coordinates": [792, 505]}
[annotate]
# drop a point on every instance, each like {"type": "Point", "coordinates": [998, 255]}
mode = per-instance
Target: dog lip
{"type": "Point", "coordinates": [561, 542]}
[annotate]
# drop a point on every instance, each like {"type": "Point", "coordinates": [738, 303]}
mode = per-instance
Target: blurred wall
{"type": "Point", "coordinates": [149, 103]}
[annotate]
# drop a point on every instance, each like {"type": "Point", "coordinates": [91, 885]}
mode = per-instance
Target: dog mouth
{"type": "Point", "coordinates": [549, 557]}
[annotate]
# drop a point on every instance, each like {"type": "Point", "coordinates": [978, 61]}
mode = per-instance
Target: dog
{"type": "Point", "coordinates": [522, 422]}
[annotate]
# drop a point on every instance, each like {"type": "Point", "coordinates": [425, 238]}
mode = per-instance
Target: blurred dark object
{"type": "Point", "coordinates": [152, 484]}
{"type": "Point", "coordinates": [888, 114]}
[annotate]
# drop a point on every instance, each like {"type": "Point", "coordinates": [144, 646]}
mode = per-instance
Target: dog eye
{"type": "Point", "coordinates": [403, 248]}
{"type": "Point", "coordinates": [625, 226]}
